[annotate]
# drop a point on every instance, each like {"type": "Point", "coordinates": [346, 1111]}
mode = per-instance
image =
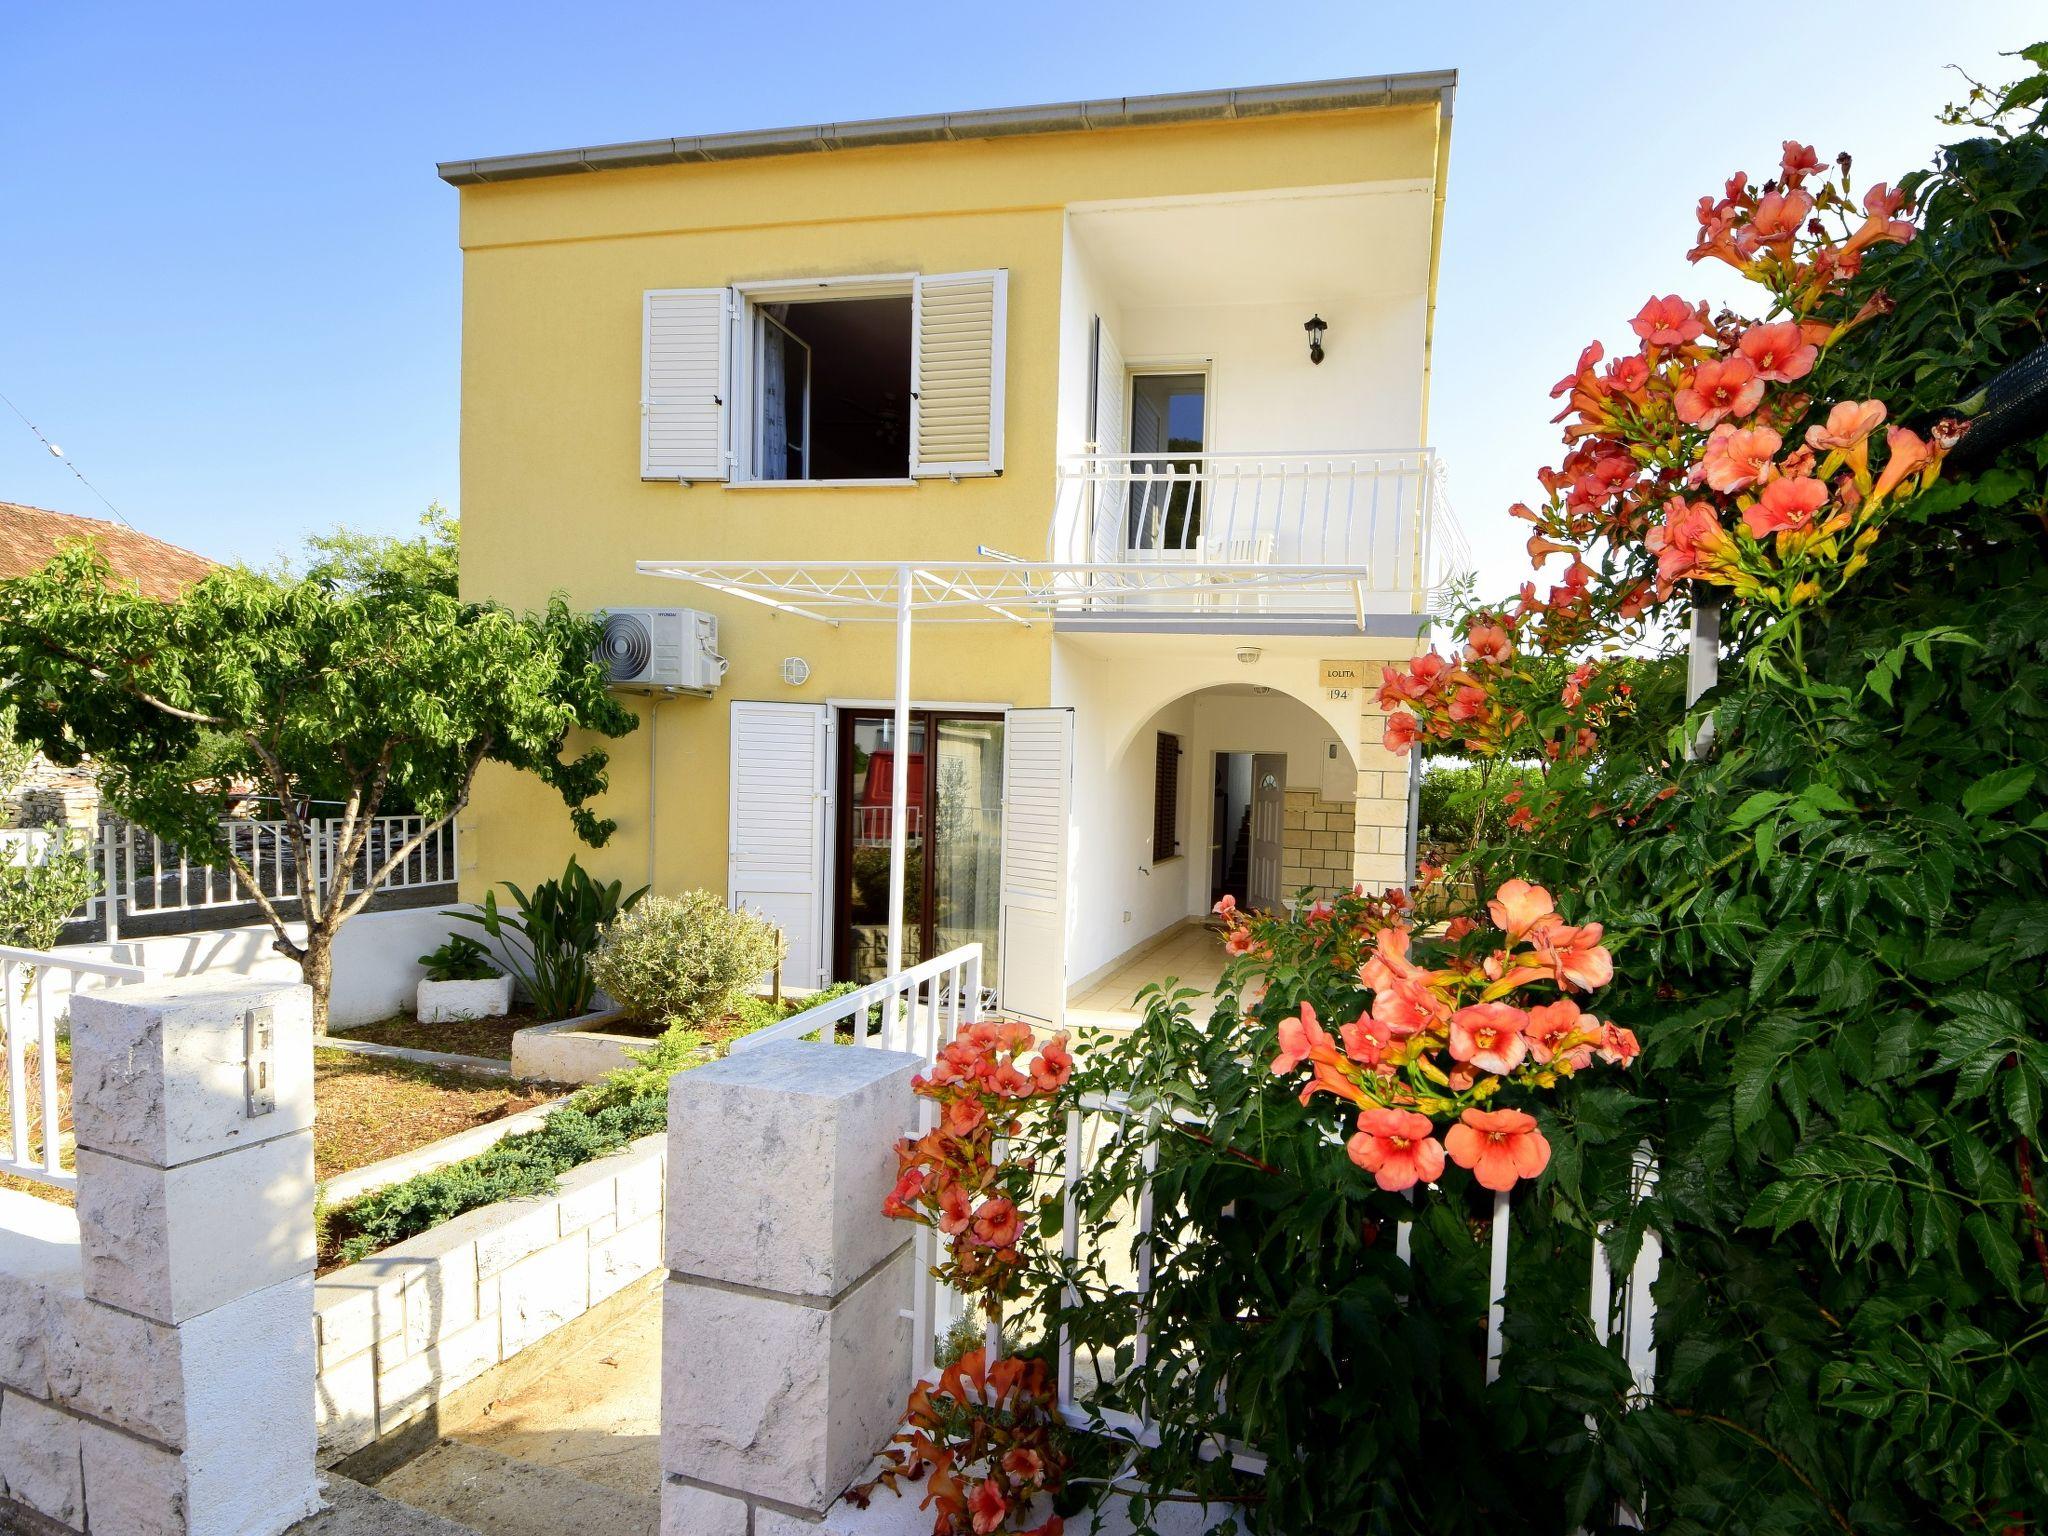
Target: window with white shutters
{"type": "Point", "coordinates": [957, 382]}
{"type": "Point", "coordinates": [685, 384]}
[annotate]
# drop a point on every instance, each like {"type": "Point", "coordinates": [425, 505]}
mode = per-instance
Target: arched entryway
{"type": "Point", "coordinates": [1238, 788]}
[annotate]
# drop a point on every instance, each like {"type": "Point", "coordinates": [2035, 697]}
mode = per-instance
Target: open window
{"type": "Point", "coordinates": [826, 380]}
{"type": "Point", "coordinates": [831, 388]}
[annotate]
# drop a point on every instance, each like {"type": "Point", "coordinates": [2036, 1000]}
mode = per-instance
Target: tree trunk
{"type": "Point", "coordinates": [316, 968]}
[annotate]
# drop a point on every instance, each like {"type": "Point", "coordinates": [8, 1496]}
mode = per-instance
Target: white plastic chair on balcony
{"type": "Point", "coordinates": [1238, 550]}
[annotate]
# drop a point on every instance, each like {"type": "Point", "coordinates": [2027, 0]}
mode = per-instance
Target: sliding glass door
{"type": "Point", "coordinates": [953, 824]}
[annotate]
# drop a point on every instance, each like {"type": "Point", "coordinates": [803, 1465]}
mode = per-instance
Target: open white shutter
{"type": "Point", "coordinates": [956, 373]}
{"type": "Point", "coordinates": [685, 384]}
{"type": "Point", "coordinates": [1038, 792]}
{"type": "Point", "coordinates": [781, 777]}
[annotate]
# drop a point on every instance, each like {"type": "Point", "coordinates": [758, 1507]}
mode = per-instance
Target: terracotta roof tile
{"type": "Point", "coordinates": [29, 536]}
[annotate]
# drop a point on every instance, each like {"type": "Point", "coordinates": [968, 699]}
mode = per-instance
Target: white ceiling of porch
{"type": "Point", "coordinates": [1308, 245]}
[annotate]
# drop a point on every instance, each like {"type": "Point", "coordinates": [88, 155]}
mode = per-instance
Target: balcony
{"type": "Point", "coordinates": [1363, 538]}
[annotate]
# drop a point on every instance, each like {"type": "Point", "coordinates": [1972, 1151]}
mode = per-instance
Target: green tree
{"type": "Point", "coordinates": [365, 681]}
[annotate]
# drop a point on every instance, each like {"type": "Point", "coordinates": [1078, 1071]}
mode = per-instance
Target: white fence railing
{"type": "Point", "coordinates": [143, 875]}
{"type": "Point", "coordinates": [1369, 531]}
{"type": "Point", "coordinates": [33, 1147]}
{"type": "Point", "coordinates": [1629, 1315]}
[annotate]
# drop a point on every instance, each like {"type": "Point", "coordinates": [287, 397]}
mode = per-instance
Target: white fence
{"type": "Point", "coordinates": [34, 1146]}
{"type": "Point", "coordinates": [1629, 1316]}
{"type": "Point", "coordinates": [142, 875]}
{"type": "Point", "coordinates": [1278, 534]}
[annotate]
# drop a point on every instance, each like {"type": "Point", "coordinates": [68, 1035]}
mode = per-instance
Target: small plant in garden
{"type": "Point", "coordinates": [1494, 1012]}
{"type": "Point", "coordinates": [547, 939]}
{"type": "Point", "coordinates": [461, 958]}
{"type": "Point", "coordinates": [683, 959]}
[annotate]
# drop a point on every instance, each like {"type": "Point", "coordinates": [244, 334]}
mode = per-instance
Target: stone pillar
{"type": "Point", "coordinates": [1380, 844]}
{"type": "Point", "coordinates": [193, 1104]}
{"type": "Point", "coordinates": [785, 1339]}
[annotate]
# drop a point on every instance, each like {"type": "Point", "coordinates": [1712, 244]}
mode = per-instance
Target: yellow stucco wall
{"type": "Point", "coordinates": [553, 274]}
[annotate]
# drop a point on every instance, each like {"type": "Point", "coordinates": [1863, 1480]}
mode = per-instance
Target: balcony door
{"type": "Point", "coordinates": [1169, 429]}
{"type": "Point", "coordinates": [953, 819]}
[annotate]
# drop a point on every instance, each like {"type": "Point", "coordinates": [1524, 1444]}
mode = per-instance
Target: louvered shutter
{"type": "Point", "coordinates": [956, 374]}
{"type": "Point", "coordinates": [1038, 779]}
{"type": "Point", "coordinates": [685, 384]}
{"type": "Point", "coordinates": [781, 756]}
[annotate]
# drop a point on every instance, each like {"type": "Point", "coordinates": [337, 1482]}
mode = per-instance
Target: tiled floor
{"type": "Point", "coordinates": [1191, 953]}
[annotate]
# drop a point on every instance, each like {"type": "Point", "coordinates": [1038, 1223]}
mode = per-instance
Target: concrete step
{"type": "Point", "coordinates": [497, 1495]}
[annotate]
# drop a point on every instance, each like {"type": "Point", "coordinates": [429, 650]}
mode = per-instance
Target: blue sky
{"type": "Point", "coordinates": [229, 284]}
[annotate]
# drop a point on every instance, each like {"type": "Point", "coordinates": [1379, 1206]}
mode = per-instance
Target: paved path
{"type": "Point", "coordinates": [577, 1451]}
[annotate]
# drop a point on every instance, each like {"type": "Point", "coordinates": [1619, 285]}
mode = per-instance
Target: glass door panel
{"type": "Point", "coordinates": [871, 779]}
{"type": "Point", "coordinates": [1168, 419]}
{"type": "Point", "coordinates": [967, 837]}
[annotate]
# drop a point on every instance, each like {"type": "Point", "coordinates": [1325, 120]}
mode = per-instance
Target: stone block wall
{"type": "Point", "coordinates": [1380, 846]}
{"type": "Point", "coordinates": [406, 1328]}
{"type": "Point", "coordinates": [155, 1343]}
{"type": "Point", "coordinates": [1317, 843]}
{"type": "Point", "coordinates": [786, 1351]}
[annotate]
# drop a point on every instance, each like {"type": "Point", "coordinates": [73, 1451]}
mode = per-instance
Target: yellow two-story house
{"type": "Point", "coordinates": [1085, 446]}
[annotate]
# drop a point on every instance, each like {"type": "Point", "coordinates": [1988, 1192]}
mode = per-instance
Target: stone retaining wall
{"type": "Point", "coordinates": [408, 1327]}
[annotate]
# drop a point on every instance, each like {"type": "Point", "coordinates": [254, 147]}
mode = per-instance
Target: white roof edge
{"type": "Point", "coordinates": [1355, 93]}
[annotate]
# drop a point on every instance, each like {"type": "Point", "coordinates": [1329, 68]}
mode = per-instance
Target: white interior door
{"type": "Point", "coordinates": [781, 799]}
{"type": "Point", "coordinates": [1269, 804]}
{"type": "Point", "coordinates": [1038, 795]}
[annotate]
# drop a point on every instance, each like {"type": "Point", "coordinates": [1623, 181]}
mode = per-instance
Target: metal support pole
{"type": "Point", "coordinates": [110, 865]}
{"type": "Point", "coordinates": [899, 784]}
{"type": "Point", "coordinates": [1703, 668]}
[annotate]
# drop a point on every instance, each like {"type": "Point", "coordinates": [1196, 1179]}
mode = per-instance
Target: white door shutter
{"type": "Point", "coordinates": [1038, 793]}
{"type": "Point", "coordinates": [780, 788]}
{"type": "Point", "coordinates": [956, 373]}
{"type": "Point", "coordinates": [685, 383]}
{"type": "Point", "coordinates": [1110, 435]}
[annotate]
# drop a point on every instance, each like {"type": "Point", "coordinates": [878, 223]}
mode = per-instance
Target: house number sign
{"type": "Point", "coordinates": [1342, 682]}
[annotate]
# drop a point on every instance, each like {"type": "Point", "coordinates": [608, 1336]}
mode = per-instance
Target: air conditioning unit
{"type": "Point", "coordinates": [662, 650]}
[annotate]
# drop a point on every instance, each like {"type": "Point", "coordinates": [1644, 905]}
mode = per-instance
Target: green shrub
{"type": "Point", "coordinates": [36, 898]}
{"type": "Point", "coordinates": [683, 959]}
{"type": "Point", "coordinates": [1455, 803]}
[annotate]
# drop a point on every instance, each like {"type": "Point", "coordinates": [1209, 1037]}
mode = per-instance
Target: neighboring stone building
{"type": "Point", "coordinates": [48, 794]}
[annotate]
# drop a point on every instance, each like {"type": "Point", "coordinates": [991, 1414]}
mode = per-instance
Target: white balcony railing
{"type": "Point", "coordinates": [1284, 535]}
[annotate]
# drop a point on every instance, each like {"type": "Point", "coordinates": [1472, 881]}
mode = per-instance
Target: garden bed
{"type": "Point", "coordinates": [490, 1037]}
{"type": "Point", "coordinates": [364, 1110]}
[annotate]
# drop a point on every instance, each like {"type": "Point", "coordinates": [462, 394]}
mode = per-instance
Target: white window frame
{"type": "Point", "coordinates": [746, 351]}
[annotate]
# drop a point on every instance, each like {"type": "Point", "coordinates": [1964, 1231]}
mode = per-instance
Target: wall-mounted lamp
{"type": "Point", "coordinates": [1315, 328]}
{"type": "Point", "coordinates": [1249, 655]}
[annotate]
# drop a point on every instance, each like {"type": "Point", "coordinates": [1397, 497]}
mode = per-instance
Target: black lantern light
{"type": "Point", "coordinates": [1315, 328]}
